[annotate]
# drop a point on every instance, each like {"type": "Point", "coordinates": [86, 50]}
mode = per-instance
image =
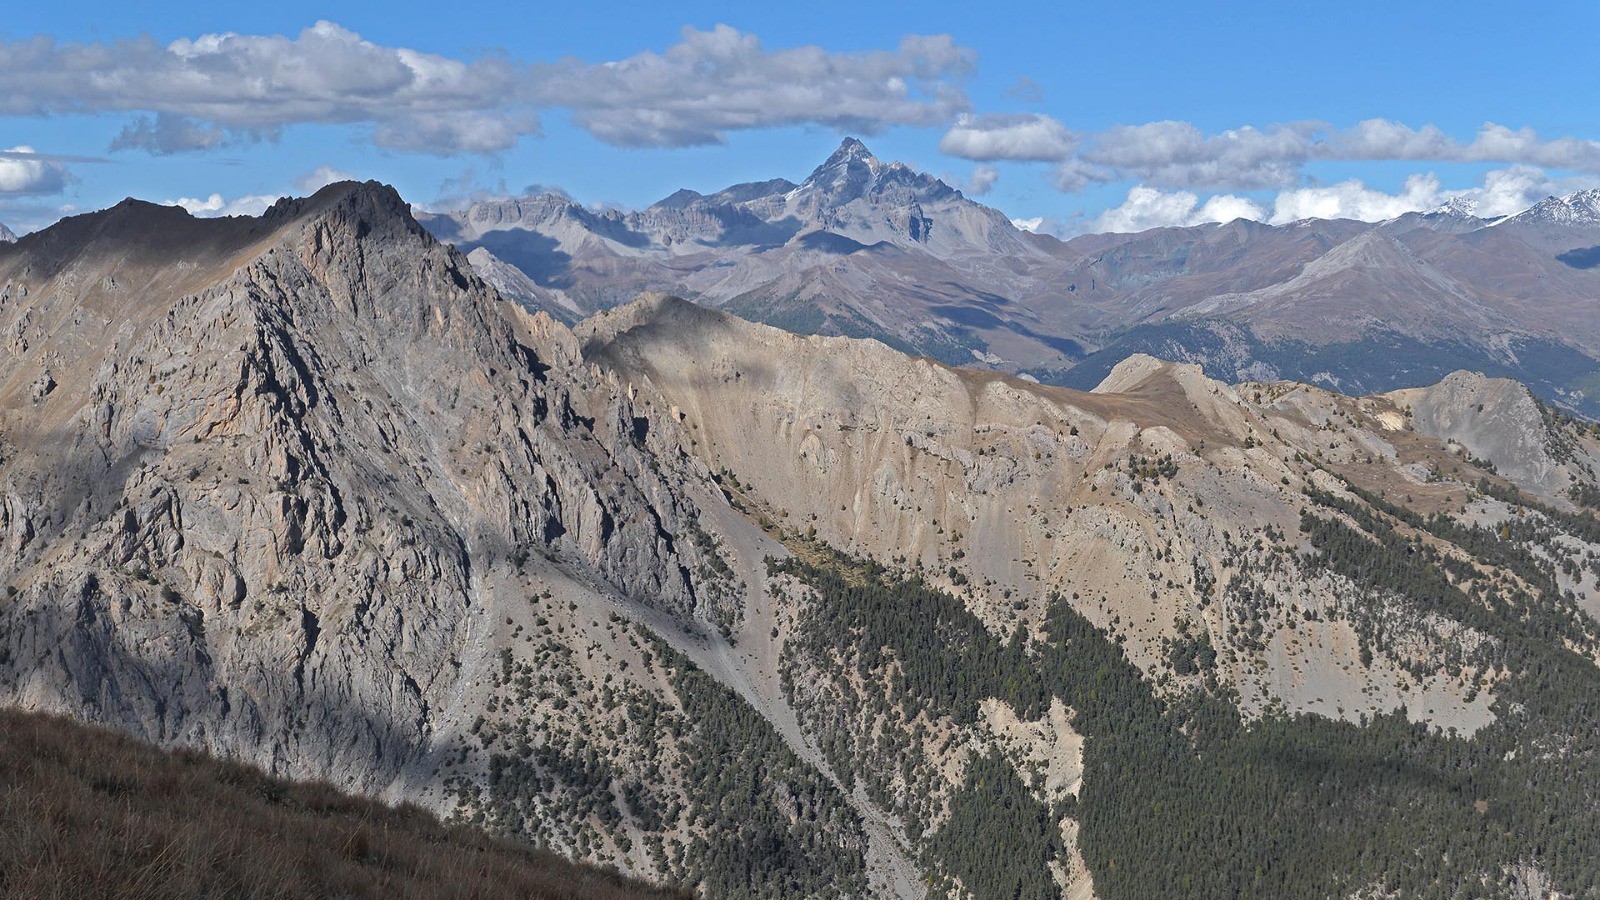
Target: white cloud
{"type": "Point", "coordinates": [467, 131]}
{"type": "Point", "coordinates": [1354, 200]}
{"type": "Point", "coordinates": [216, 89]}
{"type": "Point", "coordinates": [200, 93]}
{"type": "Point", "coordinates": [1497, 143]}
{"type": "Point", "coordinates": [1170, 154]}
{"type": "Point", "coordinates": [1507, 192]}
{"type": "Point", "coordinates": [1074, 175]}
{"type": "Point", "coordinates": [24, 171]}
{"type": "Point", "coordinates": [982, 180]}
{"type": "Point", "coordinates": [1020, 137]}
{"type": "Point", "coordinates": [320, 177]}
{"type": "Point", "coordinates": [1226, 208]}
{"type": "Point", "coordinates": [1503, 192]}
{"type": "Point", "coordinates": [1147, 207]}
{"type": "Point", "coordinates": [1033, 224]}
{"type": "Point", "coordinates": [721, 80]}
{"type": "Point", "coordinates": [165, 133]}
{"type": "Point", "coordinates": [215, 205]}
{"type": "Point", "coordinates": [1177, 154]}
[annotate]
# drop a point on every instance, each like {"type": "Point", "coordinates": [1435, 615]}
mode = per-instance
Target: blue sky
{"type": "Point", "coordinates": [1080, 116]}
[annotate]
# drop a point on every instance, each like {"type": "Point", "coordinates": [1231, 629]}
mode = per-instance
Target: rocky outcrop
{"type": "Point", "coordinates": [1134, 499]}
{"type": "Point", "coordinates": [1499, 421]}
{"type": "Point", "coordinates": [258, 510]}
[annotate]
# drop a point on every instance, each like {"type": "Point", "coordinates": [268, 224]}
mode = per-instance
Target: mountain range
{"type": "Point", "coordinates": [766, 614]}
{"type": "Point", "coordinates": [865, 248]}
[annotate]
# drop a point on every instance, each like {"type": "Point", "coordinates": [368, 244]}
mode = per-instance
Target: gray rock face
{"type": "Point", "coordinates": [1498, 420]}
{"type": "Point", "coordinates": [255, 510]}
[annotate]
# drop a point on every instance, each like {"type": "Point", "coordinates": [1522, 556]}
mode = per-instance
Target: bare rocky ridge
{"type": "Point", "coordinates": [1028, 491]}
{"type": "Point", "coordinates": [276, 490]}
{"type": "Point", "coordinates": [308, 490]}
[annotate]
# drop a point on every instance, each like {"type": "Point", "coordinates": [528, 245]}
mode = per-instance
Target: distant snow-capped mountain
{"type": "Point", "coordinates": [7, 236]}
{"type": "Point", "coordinates": [869, 248]}
{"type": "Point", "coordinates": [1461, 207]}
{"type": "Point", "coordinates": [1578, 209]}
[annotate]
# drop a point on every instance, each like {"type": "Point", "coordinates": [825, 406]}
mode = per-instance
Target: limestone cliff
{"type": "Point", "coordinates": [260, 479]}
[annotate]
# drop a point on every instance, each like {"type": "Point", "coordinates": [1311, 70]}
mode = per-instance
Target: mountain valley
{"type": "Point", "coordinates": [474, 512]}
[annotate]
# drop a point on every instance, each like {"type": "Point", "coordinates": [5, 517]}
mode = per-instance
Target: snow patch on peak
{"type": "Point", "coordinates": [1458, 207]}
{"type": "Point", "coordinates": [850, 149]}
{"type": "Point", "coordinates": [1580, 208]}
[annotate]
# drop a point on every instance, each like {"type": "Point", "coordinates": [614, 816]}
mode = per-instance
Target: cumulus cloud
{"type": "Point", "coordinates": [1226, 208]}
{"type": "Point", "coordinates": [319, 178]}
{"type": "Point", "coordinates": [1170, 154]}
{"type": "Point", "coordinates": [198, 93]}
{"type": "Point", "coordinates": [215, 89]}
{"type": "Point", "coordinates": [216, 205]}
{"type": "Point", "coordinates": [1507, 192]}
{"type": "Point", "coordinates": [1073, 175]}
{"type": "Point", "coordinates": [25, 171]}
{"type": "Point", "coordinates": [1177, 154]}
{"type": "Point", "coordinates": [1503, 192]}
{"type": "Point", "coordinates": [458, 131]}
{"type": "Point", "coordinates": [164, 134]}
{"type": "Point", "coordinates": [1354, 200]}
{"type": "Point", "coordinates": [1146, 208]}
{"type": "Point", "coordinates": [1015, 137]}
{"type": "Point", "coordinates": [982, 180]}
{"type": "Point", "coordinates": [722, 79]}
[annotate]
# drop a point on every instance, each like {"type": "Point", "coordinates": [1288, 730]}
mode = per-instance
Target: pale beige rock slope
{"type": "Point", "coordinates": [1027, 490]}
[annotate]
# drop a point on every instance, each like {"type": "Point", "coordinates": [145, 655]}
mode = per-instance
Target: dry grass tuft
{"type": "Point", "coordinates": [86, 812]}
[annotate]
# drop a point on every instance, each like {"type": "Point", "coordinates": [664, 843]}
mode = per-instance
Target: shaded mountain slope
{"type": "Point", "coordinates": [91, 813]}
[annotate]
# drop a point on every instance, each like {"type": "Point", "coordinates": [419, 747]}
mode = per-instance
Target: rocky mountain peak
{"type": "Point", "coordinates": [1581, 208]}
{"type": "Point", "coordinates": [850, 166]}
{"type": "Point", "coordinates": [1456, 207]}
{"type": "Point", "coordinates": [853, 173]}
{"type": "Point", "coordinates": [7, 236]}
{"type": "Point", "coordinates": [368, 207]}
{"type": "Point", "coordinates": [679, 198]}
{"type": "Point", "coordinates": [851, 149]}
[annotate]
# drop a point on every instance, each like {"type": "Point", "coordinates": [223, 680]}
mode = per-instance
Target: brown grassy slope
{"type": "Point", "coordinates": [85, 812]}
